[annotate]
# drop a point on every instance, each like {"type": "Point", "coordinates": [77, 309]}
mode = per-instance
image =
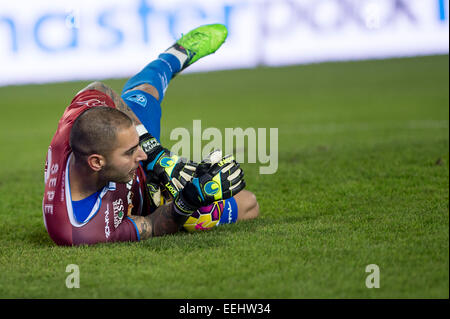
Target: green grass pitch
{"type": "Point", "coordinates": [362, 179]}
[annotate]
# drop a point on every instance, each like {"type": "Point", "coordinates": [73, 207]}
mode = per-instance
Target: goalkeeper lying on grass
{"type": "Point", "coordinates": [105, 166]}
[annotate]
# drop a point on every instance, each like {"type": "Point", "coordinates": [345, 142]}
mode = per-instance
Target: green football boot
{"type": "Point", "coordinates": [200, 42]}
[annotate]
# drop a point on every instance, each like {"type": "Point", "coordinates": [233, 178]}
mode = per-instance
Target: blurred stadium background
{"type": "Point", "coordinates": [358, 90]}
{"type": "Point", "coordinates": [47, 41]}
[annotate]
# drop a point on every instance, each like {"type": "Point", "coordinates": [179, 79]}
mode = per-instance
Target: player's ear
{"type": "Point", "coordinates": [96, 162]}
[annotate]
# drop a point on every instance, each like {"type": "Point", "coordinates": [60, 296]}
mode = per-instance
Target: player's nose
{"type": "Point", "coordinates": [141, 156]}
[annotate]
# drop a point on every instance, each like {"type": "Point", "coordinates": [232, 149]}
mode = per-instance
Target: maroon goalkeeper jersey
{"type": "Point", "coordinates": [108, 220]}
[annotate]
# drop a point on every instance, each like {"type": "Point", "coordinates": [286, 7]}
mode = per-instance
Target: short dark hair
{"type": "Point", "coordinates": [94, 131]}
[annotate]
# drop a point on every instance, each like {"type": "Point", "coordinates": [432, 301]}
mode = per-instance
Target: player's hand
{"type": "Point", "coordinates": [221, 181]}
{"type": "Point", "coordinates": [214, 157]}
{"type": "Point", "coordinates": [154, 191]}
{"type": "Point", "coordinates": [171, 171]}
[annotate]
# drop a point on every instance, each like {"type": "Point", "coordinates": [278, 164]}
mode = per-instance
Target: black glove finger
{"type": "Point", "coordinates": [176, 170]}
{"type": "Point", "coordinates": [152, 187]}
{"type": "Point", "coordinates": [202, 168]}
{"type": "Point", "coordinates": [190, 165]}
{"type": "Point", "coordinates": [214, 170]}
{"type": "Point", "coordinates": [187, 173]}
{"type": "Point", "coordinates": [189, 170]}
{"type": "Point", "coordinates": [236, 177]}
{"type": "Point", "coordinates": [237, 188]}
{"type": "Point", "coordinates": [226, 159]}
{"type": "Point", "coordinates": [163, 179]}
{"type": "Point", "coordinates": [183, 180]}
{"type": "Point", "coordinates": [151, 177]}
{"type": "Point", "coordinates": [223, 165]}
{"type": "Point", "coordinates": [226, 193]}
{"type": "Point", "coordinates": [233, 190]}
{"type": "Point", "coordinates": [233, 184]}
{"type": "Point", "coordinates": [230, 168]}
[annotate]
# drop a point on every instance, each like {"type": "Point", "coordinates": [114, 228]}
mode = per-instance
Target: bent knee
{"type": "Point", "coordinates": [248, 207]}
{"type": "Point", "coordinates": [150, 89]}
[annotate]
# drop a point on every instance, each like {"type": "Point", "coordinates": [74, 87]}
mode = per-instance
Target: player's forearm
{"type": "Point", "coordinates": [163, 221]}
{"type": "Point", "coordinates": [166, 220]}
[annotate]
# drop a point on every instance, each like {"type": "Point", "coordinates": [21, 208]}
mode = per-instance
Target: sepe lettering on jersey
{"type": "Point", "coordinates": [50, 178]}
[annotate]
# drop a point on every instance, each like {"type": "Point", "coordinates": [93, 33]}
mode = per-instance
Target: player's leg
{"type": "Point", "coordinates": [242, 206]}
{"type": "Point", "coordinates": [248, 207]}
{"type": "Point", "coordinates": [145, 91]}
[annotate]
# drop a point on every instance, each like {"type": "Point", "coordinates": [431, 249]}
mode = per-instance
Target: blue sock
{"type": "Point", "coordinates": [157, 73]}
{"type": "Point", "coordinates": [147, 109]}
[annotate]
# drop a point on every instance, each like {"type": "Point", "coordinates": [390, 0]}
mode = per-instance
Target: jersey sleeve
{"type": "Point", "coordinates": [126, 231]}
{"type": "Point", "coordinates": [98, 231]}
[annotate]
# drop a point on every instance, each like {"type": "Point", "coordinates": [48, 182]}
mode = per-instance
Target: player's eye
{"type": "Point", "coordinates": [131, 152]}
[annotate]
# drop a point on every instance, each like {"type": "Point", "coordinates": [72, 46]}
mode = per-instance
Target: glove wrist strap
{"type": "Point", "coordinates": [150, 145]}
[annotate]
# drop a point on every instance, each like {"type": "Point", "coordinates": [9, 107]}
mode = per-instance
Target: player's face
{"type": "Point", "coordinates": [122, 162]}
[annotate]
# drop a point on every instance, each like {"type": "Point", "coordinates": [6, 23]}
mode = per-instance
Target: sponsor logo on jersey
{"type": "Point", "coordinates": [107, 229]}
{"type": "Point", "coordinates": [118, 209]}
